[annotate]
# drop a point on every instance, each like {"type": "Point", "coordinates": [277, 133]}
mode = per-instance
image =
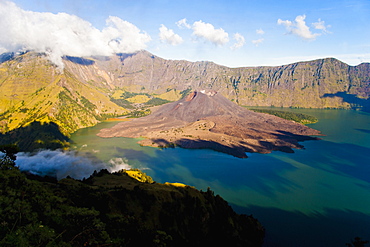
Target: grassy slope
{"type": "Point", "coordinates": [31, 89]}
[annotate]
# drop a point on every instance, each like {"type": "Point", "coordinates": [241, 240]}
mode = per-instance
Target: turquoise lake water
{"type": "Point", "coordinates": [317, 196]}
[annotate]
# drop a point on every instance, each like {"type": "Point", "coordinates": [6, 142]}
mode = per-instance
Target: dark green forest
{"type": "Point", "coordinates": [114, 209]}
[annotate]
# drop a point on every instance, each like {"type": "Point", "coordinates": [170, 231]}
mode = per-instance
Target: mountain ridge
{"type": "Point", "coordinates": [89, 89]}
{"type": "Point", "coordinates": [305, 83]}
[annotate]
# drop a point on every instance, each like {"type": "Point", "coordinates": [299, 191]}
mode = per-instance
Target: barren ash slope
{"type": "Point", "coordinates": [206, 119]}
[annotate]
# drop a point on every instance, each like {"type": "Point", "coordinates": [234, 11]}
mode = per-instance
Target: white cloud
{"type": "Point", "coordinates": [286, 23]}
{"type": "Point", "coordinates": [298, 27]}
{"type": "Point", "coordinates": [124, 36]}
{"type": "Point", "coordinates": [168, 36]}
{"type": "Point", "coordinates": [208, 32]}
{"type": "Point", "coordinates": [320, 25]}
{"type": "Point", "coordinates": [63, 34]}
{"type": "Point", "coordinates": [260, 31]}
{"type": "Point", "coordinates": [240, 41]}
{"type": "Point", "coordinates": [257, 42]}
{"type": "Point", "coordinates": [183, 23]}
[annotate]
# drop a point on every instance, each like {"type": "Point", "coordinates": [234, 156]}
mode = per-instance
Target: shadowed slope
{"type": "Point", "coordinates": [36, 136]}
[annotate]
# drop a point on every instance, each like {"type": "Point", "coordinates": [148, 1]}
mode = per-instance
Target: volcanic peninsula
{"type": "Point", "coordinates": [205, 119]}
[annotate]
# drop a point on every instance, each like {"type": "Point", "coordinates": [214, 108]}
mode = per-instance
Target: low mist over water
{"type": "Point", "coordinates": [61, 164]}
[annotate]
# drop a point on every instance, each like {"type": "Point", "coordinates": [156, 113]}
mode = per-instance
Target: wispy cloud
{"type": "Point", "coordinates": [298, 27]}
{"type": "Point", "coordinates": [63, 34]}
{"type": "Point", "coordinates": [320, 25]}
{"type": "Point", "coordinates": [168, 36]}
{"type": "Point", "coordinates": [183, 23]}
{"type": "Point", "coordinates": [208, 32]}
{"type": "Point", "coordinates": [257, 41]}
{"type": "Point", "coordinates": [240, 41]}
{"type": "Point", "coordinates": [260, 31]}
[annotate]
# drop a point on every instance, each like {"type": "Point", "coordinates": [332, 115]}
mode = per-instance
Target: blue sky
{"type": "Point", "coordinates": [231, 33]}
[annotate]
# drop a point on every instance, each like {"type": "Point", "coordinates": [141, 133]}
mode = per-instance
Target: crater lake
{"type": "Point", "coordinates": [317, 196]}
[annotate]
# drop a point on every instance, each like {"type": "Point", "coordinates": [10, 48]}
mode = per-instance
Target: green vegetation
{"type": "Point", "coordinates": [87, 104]}
{"type": "Point", "coordinates": [156, 101]}
{"type": "Point", "coordinates": [170, 95]}
{"type": "Point", "coordinates": [7, 156]}
{"type": "Point", "coordinates": [127, 95]}
{"type": "Point", "coordinates": [126, 99]}
{"type": "Point", "coordinates": [114, 210]}
{"type": "Point", "coordinates": [139, 99]}
{"type": "Point", "coordinates": [185, 92]}
{"type": "Point", "coordinates": [134, 101]}
{"type": "Point", "coordinates": [296, 117]}
{"type": "Point", "coordinates": [123, 103]}
{"type": "Point", "coordinates": [138, 113]}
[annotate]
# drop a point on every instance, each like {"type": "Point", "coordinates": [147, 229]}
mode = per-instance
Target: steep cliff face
{"type": "Point", "coordinates": [319, 84]}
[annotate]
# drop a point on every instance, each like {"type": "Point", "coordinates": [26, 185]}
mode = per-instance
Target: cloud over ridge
{"type": "Point", "coordinates": [63, 34]}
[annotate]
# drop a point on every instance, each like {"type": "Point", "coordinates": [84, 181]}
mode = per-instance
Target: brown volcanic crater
{"type": "Point", "coordinates": [206, 119]}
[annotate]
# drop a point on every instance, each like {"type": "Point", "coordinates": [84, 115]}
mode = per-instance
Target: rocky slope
{"type": "Point", "coordinates": [206, 119]}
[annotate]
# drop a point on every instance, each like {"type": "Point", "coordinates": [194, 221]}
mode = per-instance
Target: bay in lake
{"type": "Point", "coordinates": [318, 196]}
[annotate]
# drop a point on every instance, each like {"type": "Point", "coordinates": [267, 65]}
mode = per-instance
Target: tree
{"type": "Point", "coordinates": [8, 156]}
